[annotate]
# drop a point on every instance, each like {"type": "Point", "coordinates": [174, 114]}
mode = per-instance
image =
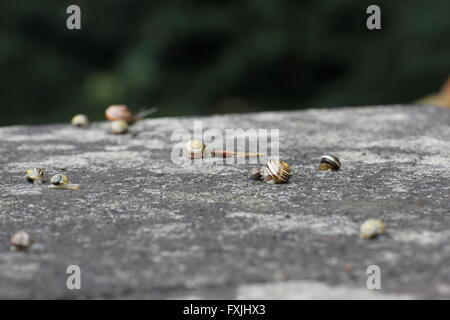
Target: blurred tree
{"type": "Point", "coordinates": [207, 56]}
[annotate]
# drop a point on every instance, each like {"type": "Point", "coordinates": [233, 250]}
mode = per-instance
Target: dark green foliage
{"type": "Point", "coordinates": [204, 56]}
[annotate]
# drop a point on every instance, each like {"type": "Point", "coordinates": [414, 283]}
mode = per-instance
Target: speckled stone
{"type": "Point", "coordinates": [142, 227]}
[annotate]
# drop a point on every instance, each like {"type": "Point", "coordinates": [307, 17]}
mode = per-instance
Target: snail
{"type": "Point", "coordinates": [121, 112]}
{"type": "Point", "coordinates": [119, 127]}
{"type": "Point", "coordinates": [329, 162]}
{"type": "Point", "coordinates": [275, 171]}
{"type": "Point", "coordinates": [372, 228]}
{"type": "Point", "coordinates": [80, 120]}
{"type": "Point", "coordinates": [196, 149]}
{"type": "Point", "coordinates": [35, 175]}
{"type": "Point", "coordinates": [61, 181]}
{"type": "Point", "coordinates": [20, 241]}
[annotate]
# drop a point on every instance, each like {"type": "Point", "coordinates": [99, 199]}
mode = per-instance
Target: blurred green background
{"type": "Point", "coordinates": [216, 56]}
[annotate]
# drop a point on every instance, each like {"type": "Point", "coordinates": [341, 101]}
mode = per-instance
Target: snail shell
{"type": "Point", "coordinates": [276, 171]}
{"type": "Point", "coordinates": [194, 149]}
{"type": "Point", "coordinates": [80, 120]}
{"type": "Point", "coordinates": [119, 126]}
{"type": "Point", "coordinates": [119, 112]}
{"type": "Point", "coordinates": [59, 179]}
{"type": "Point", "coordinates": [20, 241]}
{"type": "Point", "coordinates": [329, 162]}
{"type": "Point", "coordinates": [34, 174]}
{"type": "Point", "coordinates": [372, 228]}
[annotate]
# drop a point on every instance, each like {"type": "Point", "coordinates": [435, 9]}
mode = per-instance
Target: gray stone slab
{"type": "Point", "coordinates": [144, 227]}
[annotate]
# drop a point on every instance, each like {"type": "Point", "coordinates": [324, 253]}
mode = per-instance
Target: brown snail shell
{"type": "Point", "coordinates": [119, 112]}
{"type": "Point", "coordinates": [329, 162]}
{"type": "Point", "coordinates": [275, 171]}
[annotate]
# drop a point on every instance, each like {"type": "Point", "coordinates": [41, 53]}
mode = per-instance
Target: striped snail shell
{"type": "Point", "coordinates": [34, 175]}
{"type": "Point", "coordinates": [194, 149]}
{"type": "Point", "coordinates": [59, 178]}
{"type": "Point", "coordinates": [329, 162]}
{"type": "Point", "coordinates": [119, 126]}
{"type": "Point", "coordinates": [276, 171]}
{"type": "Point", "coordinates": [119, 112]}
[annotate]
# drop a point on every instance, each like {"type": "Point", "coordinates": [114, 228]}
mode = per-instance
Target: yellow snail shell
{"type": "Point", "coordinates": [80, 120]}
{"type": "Point", "coordinates": [119, 112]}
{"type": "Point", "coordinates": [372, 228]}
{"type": "Point", "coordinates": [119, 126]}
{"type": "Point", "coordinates": [194, 149]}
{"type": "Point", "coordinates": [59, 179]}
{"type": "Point", "coordinates": [34, 175]}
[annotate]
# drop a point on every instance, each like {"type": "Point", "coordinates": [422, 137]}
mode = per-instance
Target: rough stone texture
{"type": "Point", "coordinates": [143, 227]}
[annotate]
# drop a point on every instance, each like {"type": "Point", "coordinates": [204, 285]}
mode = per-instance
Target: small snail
{"type": "Point", "coordinates": [35, 175]}
{"type": "Point", "coordinates": [329, 162]}
{"type": "Point", "coordinates": [61, 181]}
{"type": "Point", "coordinates": [372, 228]}
{"type": "Point", "coordinates": [196, 149]}
{"type": "Point", "coordinates": [275, 171]}
{"type": "Point", "coordinates": [80, 120]}
{"type": "Point", "coordinates": [119, 127]}
{"type": "Point", "coordinates": [20, 241]}
{"type": "Point", "coordinates": [121, 112]}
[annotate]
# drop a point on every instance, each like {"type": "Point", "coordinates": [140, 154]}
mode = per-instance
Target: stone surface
{"type": "Point", "coordinates": [143, 227]}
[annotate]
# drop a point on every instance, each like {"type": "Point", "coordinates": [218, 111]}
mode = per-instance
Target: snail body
{"type": "Point", "coordinates": [80, 120]}
{"type": "Point", "coordinates": [196, 149]}
{"type": "Point", "coordinates": [35, 175]}
{"type": "Point", "coordinates": [274, 172]}
{"type": "Point", "coordinates": [329, 162]}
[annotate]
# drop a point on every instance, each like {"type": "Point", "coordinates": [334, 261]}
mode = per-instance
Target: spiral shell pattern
{"type": "Point", "coordinates": [59, 178]}
{"type": "Point", "coordinates": [331, 160]}
{"type": "Point", "coordinates": [276, 171]}
{"type": "Point", "coordinates": [119, 112]}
